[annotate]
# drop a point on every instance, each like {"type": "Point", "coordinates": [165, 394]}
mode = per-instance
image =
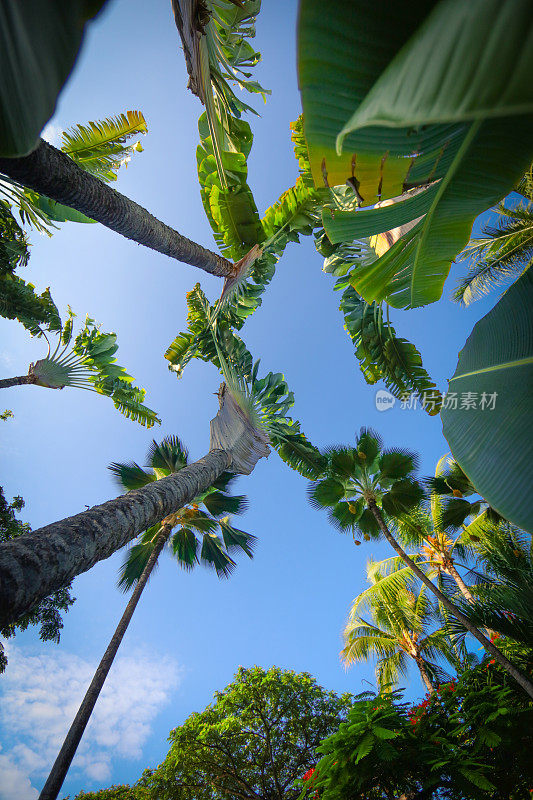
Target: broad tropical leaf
{"type": "Point", "coordinates": [492, 440]}
{"type": "Point", "coordinates": [385, 356]}
{"type": "Point", "coordinates": [466, 162]}
{"type": "Point", "coordinates": [39, 43]}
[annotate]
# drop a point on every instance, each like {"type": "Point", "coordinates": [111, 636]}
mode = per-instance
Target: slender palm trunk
{"type": "Point", "coordinates": [425, 677]}
{"type": "Point", "coordinates": [20, 380]}
{"type": "Point", "coordinates": [38, 563]}
{"type": "Point", "coordinates": [52, 173]}
{"type": "Point", "coordinates": [521, 679]}
{"type": "Point", "coordinates": [461, 585]}
{"type": "Point", "coordinates": [70, 745]}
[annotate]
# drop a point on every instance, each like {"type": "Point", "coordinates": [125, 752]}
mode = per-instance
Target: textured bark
{"type": "Point", "coordinates": [425, 677]}
{"type": "Point", "coordinates": [21, 380]}
{"type": "Point", "coordinates": [70, 745]}
{"type": "Point", "coordinates": [232, 430]}
{"type": "Point", "coordinates": [190, 15]}
{"type": "Point", "coordinates": [52, 173]}
{"type": "Point", "coordinates": [521, 679]}
{"type": "Point", "coordinates": [38, 563]}
{"type": "Point", "coordinates": [461, 585]}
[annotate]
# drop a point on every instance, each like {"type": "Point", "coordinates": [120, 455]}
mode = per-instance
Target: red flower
{"type": "Point", "coordinates": [309, 774]}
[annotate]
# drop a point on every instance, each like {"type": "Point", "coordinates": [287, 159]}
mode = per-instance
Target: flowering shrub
{"type": "Point", "coordinates": [470, 739]}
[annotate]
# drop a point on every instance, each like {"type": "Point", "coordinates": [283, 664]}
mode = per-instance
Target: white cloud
{"type": "Point", "coordinates": [52, 134]}
{"type": "Point", "coordinates": [41, 694]}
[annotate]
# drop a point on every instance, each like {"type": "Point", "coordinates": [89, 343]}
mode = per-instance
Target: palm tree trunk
{"type": "Point", "coordinates": [461, 585]}
{"type": "Point", "coordinates": [38, 563]}
{"type": "Point", "coordinates": [21, 380]}
{"type": "Point", "coordinates": [50, 172]}
{"type": "Point", "coordinates": [425, 677]}
{"type": "Point", "coordinates": [521, 679]}
{"type": "Point", "coordinates": [70, 745]}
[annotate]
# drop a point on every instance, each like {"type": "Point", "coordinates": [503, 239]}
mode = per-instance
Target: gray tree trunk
{"type": "Point", "coordinates": [51, 172]}
{"type": "Point", "coordinates": [521, 679]}
{"type": "Point", "coordinates": [36, 564]}
{"type": "Point", "coordinates": [70, 745]}
{"type": "Point", "coordinates": [20, 380]}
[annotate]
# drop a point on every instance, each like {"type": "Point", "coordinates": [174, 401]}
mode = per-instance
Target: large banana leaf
{"type": "Point", "coordinates": [473, 159]}
{"type": "Point", "coordinates": [472, 61]}
{"type": "Point", "coordinates": [493, 441]}
{"type": "Point", "coordinates": [39, 43]}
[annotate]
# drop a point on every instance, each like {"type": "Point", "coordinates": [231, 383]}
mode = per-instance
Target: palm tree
{"type": "Point", "coordinates": [398, 630]}
{"type": "Point", "coordinates": [52, 173]}
{"type": "Point", "coordinates": [50, 557]}
{"type": "Point", "coordinates": [503, 595]}
{"type": "Point", "coordinates": [88, 364]}
{"type": "Point", "coordinates": [188, 523]}
{"type": "Point", "coordinates": [504, 251]}
{"type": "Point", "coordinates": [364, 487]}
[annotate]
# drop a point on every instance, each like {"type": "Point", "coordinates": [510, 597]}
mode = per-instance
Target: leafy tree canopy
{"type": "Point", "coordinates": [256, 741]}
{"type": "Point", "coordinates": [47, 613]}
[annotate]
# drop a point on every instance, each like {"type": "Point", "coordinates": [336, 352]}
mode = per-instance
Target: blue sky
{"type": "Point", "coordinates": [190, 631]}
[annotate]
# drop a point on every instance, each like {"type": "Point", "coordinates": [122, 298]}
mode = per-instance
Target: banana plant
{"type": "Point", "coordinates": [490, 437]}
{"type": "Point", "coordinates": [267, 400]}
{"type": "Point", "coordinates": [86, 362]}
{"type": "Point", "coordinates": [438, 98]}
{"type": "Point", "coordinates": [47, 34]}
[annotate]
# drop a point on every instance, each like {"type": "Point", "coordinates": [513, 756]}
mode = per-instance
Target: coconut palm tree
{"type": "Point", "coordinates": [54, 174]}
{"type": "Point", "coordinates": [364, 487]}
{"type": "Point", "coordinates": [504, 251]}
{"type": "Point", "coordinates": [87, 362]}
{"type": "Point", "coordinates": [182, 530]}
{"type": "Point", "coordinates": [503, 595]}
{"type": "Point", "coordinates": [399, 629]}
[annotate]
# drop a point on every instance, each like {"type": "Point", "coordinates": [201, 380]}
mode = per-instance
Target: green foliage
{"type": "Point", "coordinates": [100, 147]}
{"type": "Point", "coordinates": [503, 595]}
{"type": "Point", "coordinates": [411, 124]}
{"type": "Point", "coordinates": [385, 356]}
{"type": "Point", "coordinates": [47, 613]}
{"type": "Point", "coordinates": [256, 740]}
{"type": "Point", "coordinates": [504, 250]}
{"type": "Point", "coordinates": [210, 337]}
{"type": "Point", "coordinates": [400, 628]}
{"type": "Point", "coordinates": [355, 477]}
{"type": "Point", "coordinates": [471, 739]}
{"type": "Point", "coordinates": [492, 445]}
{"type": "Point", "coordinates": [47, 34]}
{"type": "Point", "coordinates": [198, 537]}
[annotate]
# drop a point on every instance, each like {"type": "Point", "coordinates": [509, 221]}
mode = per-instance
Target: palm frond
{"type": "Point", "coordinates": [383, 355]}
{"type": "Point", "coordinates": [169, 454]}
{"type": "Point", "coordinates": [219, 503]}
{"type": "Point", "coordinates": [130, 476]}
{"type": "Point", "coordinates": [235, 539]}
{"type": "Point", "coordinates": [213, 555]}
{"type": "Point", "coordinates": [504, 251]}
{"type": "Point", "coordinates": [100, 147]}
{"type": "Point", "coordinates": [185, 547]}
{"type": "Point", "coordinates": [135, 563]}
